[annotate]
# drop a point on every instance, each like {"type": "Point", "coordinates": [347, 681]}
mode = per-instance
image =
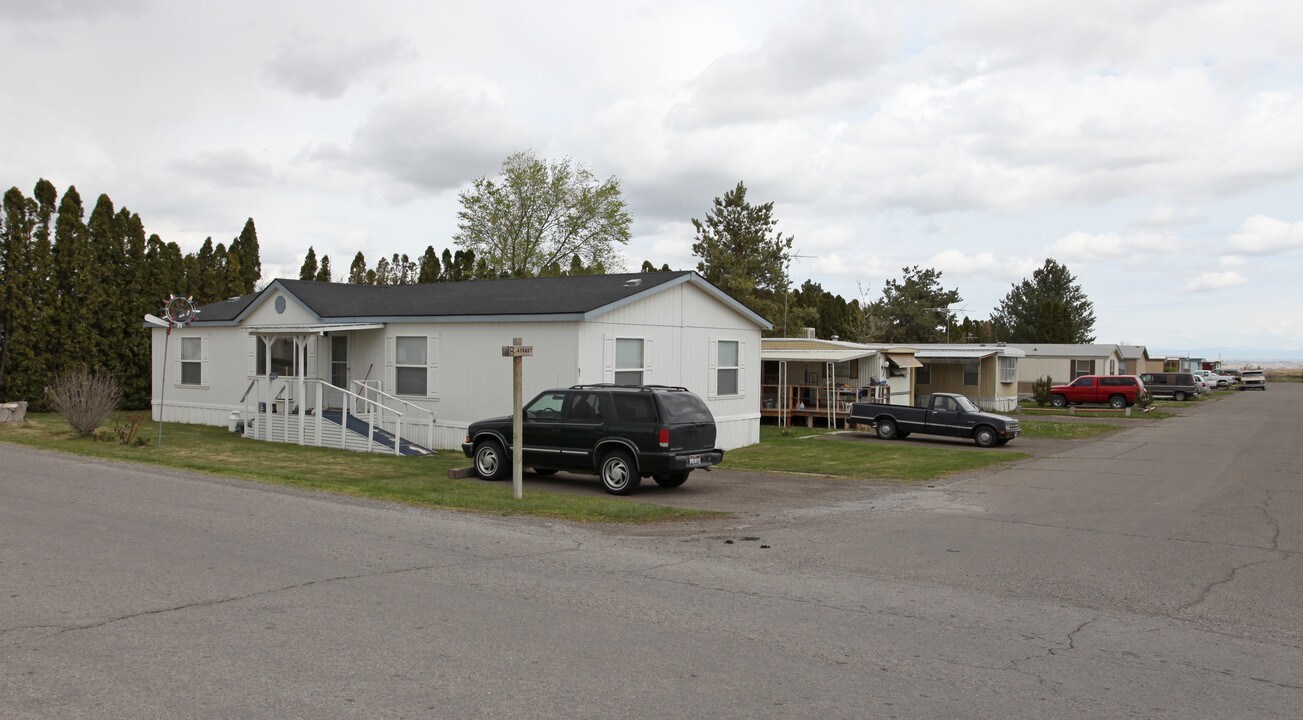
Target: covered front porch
{"type": "Point", "coordinates": [808, 381]}
{"type": "Point", "coordinates": [985, 374]}
{"type": "Point", "coordinates": [303, 392]}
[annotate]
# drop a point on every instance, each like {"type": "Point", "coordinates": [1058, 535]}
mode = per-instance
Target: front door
{"type": "Point", "coordinates": [338, 370]}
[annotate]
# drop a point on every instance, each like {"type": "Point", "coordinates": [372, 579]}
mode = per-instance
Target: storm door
{"type": "Point", "coordinates": [338, 371]}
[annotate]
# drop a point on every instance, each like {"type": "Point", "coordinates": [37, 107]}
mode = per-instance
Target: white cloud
{"type": "Point", "coordinates": [1262, 235]}
{"type": "Point", "coordinates": [1231, 261]}
{"type": "Point", "coordinates": [434, 140]}
{"type": "Point", "coordinates": [231, 167]}
{"type": "Point", "coordinates": [1087, 247]}
{"type": "Point", "coordinates": [1009, 269]}
{"type": "Point", "coordinates": [326, 69]}
{"type": "Point", "coordinates": [1207, 282]}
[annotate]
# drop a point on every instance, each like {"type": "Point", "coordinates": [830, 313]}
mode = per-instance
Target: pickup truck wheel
{"type": "Point", "coordinates": [673, 479]}
{"type": "Point", "coordinates": [491, 462]}
{"type": "Point", "coordinates": [619, 474]}
{"type": "Point", "coordinates": [1178, 396]}
{"type": "Point", "coordinates": [1059, 401]}
{"type": "Point", "coordinates": [887, 429]}
{"type": "Point", "coordinates": [985, 436]}
{"type": "Point", "coordinates": [1117, 402]}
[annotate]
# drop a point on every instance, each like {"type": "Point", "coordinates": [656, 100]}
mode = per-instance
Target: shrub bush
{"type": "Point", "coordinates": [1041, 390]}
{"type": "Point", "coordinates": [84, 398]}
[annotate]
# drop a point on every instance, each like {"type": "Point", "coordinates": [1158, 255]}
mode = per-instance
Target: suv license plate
{"type": "Point", "coordinates": [694, 460]}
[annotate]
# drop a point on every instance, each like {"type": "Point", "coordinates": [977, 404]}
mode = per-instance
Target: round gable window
{"type": "Point", "coordinates": [280, 305]}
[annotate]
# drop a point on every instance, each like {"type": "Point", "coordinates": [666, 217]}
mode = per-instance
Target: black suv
{"type": "Point", "coordinates": [621, 432]}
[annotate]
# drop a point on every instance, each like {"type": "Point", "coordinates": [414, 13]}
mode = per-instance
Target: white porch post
{"type": "Point", "coordinates": [300, 351]}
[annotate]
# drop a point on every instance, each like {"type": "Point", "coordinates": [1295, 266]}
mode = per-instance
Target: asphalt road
{"type": "Point", "coordinates": [1157, 573]}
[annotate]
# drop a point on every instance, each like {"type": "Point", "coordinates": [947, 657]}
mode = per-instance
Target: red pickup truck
{"type": "Point", "coordinates": [1118, 391]}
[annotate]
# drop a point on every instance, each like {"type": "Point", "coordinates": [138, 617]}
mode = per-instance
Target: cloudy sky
{"type": "Point", "coordinates": [1155, 148]}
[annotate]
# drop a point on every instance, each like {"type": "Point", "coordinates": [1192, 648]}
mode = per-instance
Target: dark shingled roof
{"type": "Point", "coordinates": [517, 296]}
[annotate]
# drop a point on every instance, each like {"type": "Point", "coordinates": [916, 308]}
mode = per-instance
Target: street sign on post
{"type": "Point", "coordinates": [517, 351]}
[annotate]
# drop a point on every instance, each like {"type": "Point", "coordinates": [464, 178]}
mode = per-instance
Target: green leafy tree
{"type": "Point", "coordinates": [1048, 308]}
{"type": "Point", "coordinates": [308, 271]}
{"type": "Point", "coordinates": [742, 254]}
{"type": "Point", "coordinates": [537, 213]}
{"type": "Point", "coordinates": [913, 309]}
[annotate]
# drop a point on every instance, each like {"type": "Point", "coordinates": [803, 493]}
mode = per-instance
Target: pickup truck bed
{"type": "Point", "coordinates": [942, 414]}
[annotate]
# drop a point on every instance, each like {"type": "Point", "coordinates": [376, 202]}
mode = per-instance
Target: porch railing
{"type": "Point", "coordinates": [280, 399]}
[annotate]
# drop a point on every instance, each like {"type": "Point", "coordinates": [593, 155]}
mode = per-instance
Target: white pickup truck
{"type": "Point", "coordinates": [1216, 380]}
{"type": "Point", "coordinates": [1253, 380]}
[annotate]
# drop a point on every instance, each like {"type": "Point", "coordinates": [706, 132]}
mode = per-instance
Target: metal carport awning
{"type": "Point", "coordinates": [903, 360]}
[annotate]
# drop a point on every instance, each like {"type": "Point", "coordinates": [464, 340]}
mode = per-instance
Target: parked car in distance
{"type": "Point", "coordinates": [622, 433]}
{"type": "Point", "coordinates": [937, 414]}
{"type": "Point", "coordinates": [1216, 380]}
{"type": "Point", "coordinates": [1253, 380]}
{"type": "Point", "coordinates": [1176, 385]}
{"type": "Point", "coordinates": [1118, 391]}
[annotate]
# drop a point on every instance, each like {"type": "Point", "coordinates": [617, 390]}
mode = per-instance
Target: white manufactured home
{"type": "Point", "coordinates": [352, 366]}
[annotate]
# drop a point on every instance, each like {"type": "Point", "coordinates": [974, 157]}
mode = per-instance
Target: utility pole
{"type": "Point", "coordinates": [517, 351]}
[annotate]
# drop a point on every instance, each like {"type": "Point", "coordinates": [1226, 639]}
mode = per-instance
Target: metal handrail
{"type": "Point", "coordinates": [362, 383]}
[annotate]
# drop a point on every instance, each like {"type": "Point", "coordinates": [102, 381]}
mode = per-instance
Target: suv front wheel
{"type": "Point", "coordinates": [491, 462]}
{"type": "Point", "coordinates": [618, 472]}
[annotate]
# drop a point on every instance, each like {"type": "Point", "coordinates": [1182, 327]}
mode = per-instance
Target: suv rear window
{"type": "Point", "coordinates": [684, 407]}
{"type": "Point", "coordinates": [631, 407]}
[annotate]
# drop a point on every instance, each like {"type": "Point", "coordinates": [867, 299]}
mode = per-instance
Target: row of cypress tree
{"type": "Point", "coordinates": [76, 289]}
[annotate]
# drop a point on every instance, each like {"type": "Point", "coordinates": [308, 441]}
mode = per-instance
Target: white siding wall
{"type": "Point", "coordinates": [682, 323]}
{"type": "Point", "coordinates": [223, 375]}
{"type": "Point", "coordinates": [472, 379]}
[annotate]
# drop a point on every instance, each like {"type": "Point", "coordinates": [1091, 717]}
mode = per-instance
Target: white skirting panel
{"type": "Point", "coordinates": [737, 431]}
{"type": "Point", "coordinates": [1007, 403]}
{"type": "Point", "coordinates": [195, 414]}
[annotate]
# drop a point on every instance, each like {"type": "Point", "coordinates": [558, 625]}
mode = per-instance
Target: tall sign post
{"type": "Point", "coordinates": [517, 351]}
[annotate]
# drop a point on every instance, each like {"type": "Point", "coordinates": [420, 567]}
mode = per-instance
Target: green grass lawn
{"type": "Point", "coordinates": [803, 451]}
{"type": "Point", "coordinates": [1064, 430]}
{"type": "Point", "coordinates": [414, 481]}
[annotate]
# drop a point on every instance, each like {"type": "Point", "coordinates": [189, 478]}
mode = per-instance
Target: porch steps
{"type": "Point", "coordinates": [382, 437]}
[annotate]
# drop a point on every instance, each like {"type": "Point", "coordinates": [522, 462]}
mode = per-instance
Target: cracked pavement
{"type": "Point", "coordinates": [1154, 573]}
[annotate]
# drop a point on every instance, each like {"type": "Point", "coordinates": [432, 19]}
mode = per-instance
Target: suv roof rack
{"type": "Point", "coordinates": [608, 386]}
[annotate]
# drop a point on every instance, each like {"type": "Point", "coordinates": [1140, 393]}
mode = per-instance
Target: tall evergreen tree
{"type": "Point", "coordinates": [16, 228]}
{"type": "Point", "coordinates": [1049, 308]}
{"type": "Point", "coordinates": [68, 345]}
{"type": "Point", "coordinates": [914, 309]}
{"type": "Point", "coordinates": [246, 247]}
{"type": "Point", "coordinates": [742, 254]}
{"type": "Point", "coordinates": [323, 272]}
{"type": "Point", "coordinates": [357, 271]}
{"type": "Point", "coordinates": [309, 269]}
{"type": "Point", "coordinates": [431, 270]}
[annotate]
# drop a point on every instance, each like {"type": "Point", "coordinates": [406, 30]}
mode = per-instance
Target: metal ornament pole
{"type": "Point", "coordinates": [177, 312]}
{"type": "Point", "coordinates": [162, 388]}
